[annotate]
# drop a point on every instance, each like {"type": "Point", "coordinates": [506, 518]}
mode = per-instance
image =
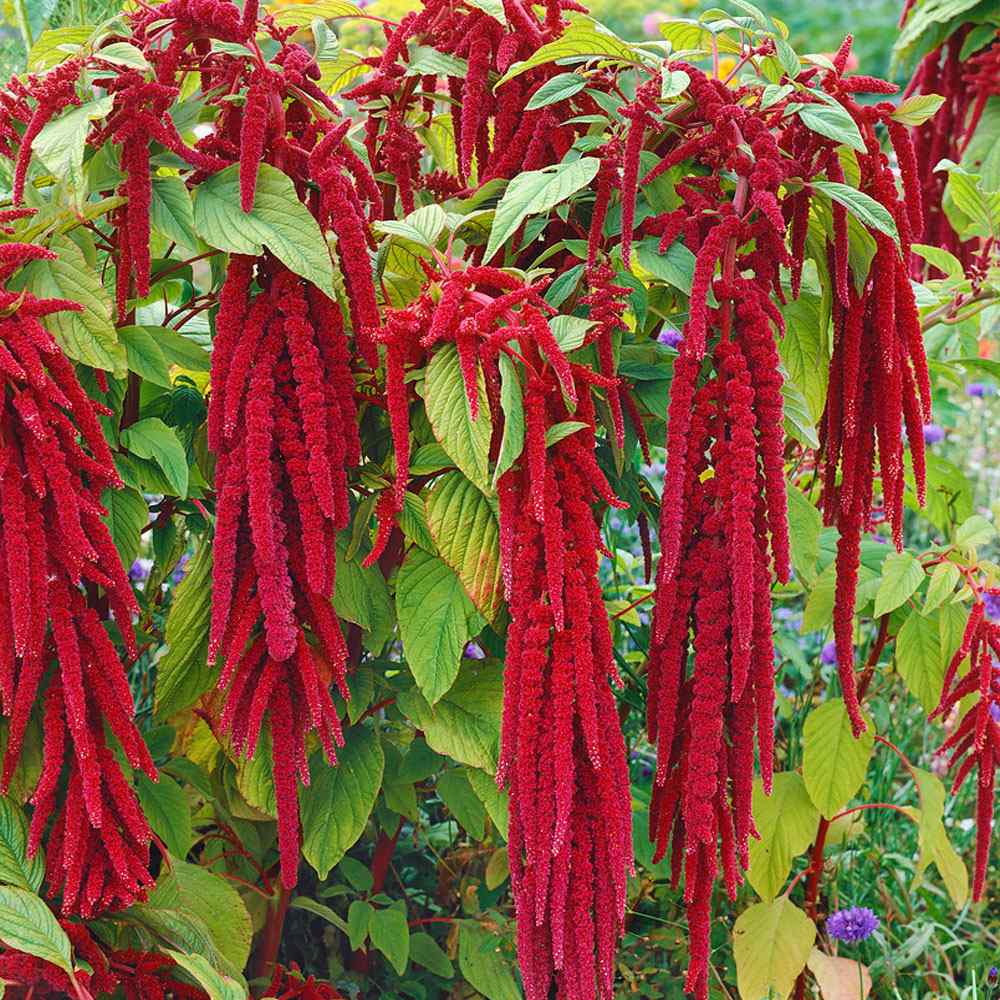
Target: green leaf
{"type": "Point", "coordinates": [569, 332]}
{"type": "Point", "coordinates": [28, 925]}
{"type": "Point", "coordinates": [166, 808]}
{"type": "Point", "coordinates": [799, 422]}
{"type": "Point", "coordinates": [16, 868]}
{"type": "Point", "coordinates": [194, 889]}
{"type": "Point", "coordinates": [123, 54]}
{"type": "Point", "coordinates": [151, 438]}
{"type": "Point", "coordinates": [456, 793]}
{"type": "Point", "coordinates": [495, 799]}
{"type": "Point", "coordinates": [87, 336]}
{"type": "Point", "coordinates": [675, 267]}
{"type": "Point", "coordinates": [286, 15]}
{"type": "Point", "coordinates": [865, 208]}
{"type": "Point", "coordinates": [832, 121]}
{"type": "Point", "coordinates": [175, 348]}
{"type": "Point", "coordinates": [902, 575]}
{"type": "Point", "coordinates": [497, 868]}
{"type": "Point", "coordinates": [423, 226]}
{"type": "Point", "coordinates": [171, 211]}
{"type": "Point", "coordinates": [278, 221]}
{"type": "Point", "coordinates": [321, 910]}
{"type": "Point", "coordinates": [804, 525]}
{"type": "Point", "coordinates": [60, 144]}
{"type": "Point", "coordinates": [428, 61]}
{"type": "Point", "coordinates": [512, 404]}
{"type": "Point", "coordinates": [935, 847]}
{"type": "Point", "coordinates": [336, 805]}
{"type": "Point", "coordinates": [920, 659]}
{"type": "Point", "coordinates": [584, 39]}
{"type": "Point", "coordinates": [183, 674]}
{"type": "Point", "coordinates": [359, 920]}
{"type": "Point", "coordinates": [941, 259]}
{"type": "Point", "coordinates": [391, 935]}
{"type": "Point", "coordinates": [216, 984]}
{"type": "Point", "coordinates": [127, 516]}
{"type": "Point", "coordinates": [981, 208]}
{"type": "Point", "coordinates": [563, 429]}
{"type": "Point", "coordinates": [434, 614]}
{"type": "Point", "coordinates": [465, 723]}
{"type": "Point", "coordinates": [482, 964]}
{"type": "Point", "coordinates": [425, 951]}
{"type": "Point", "coordinates": [361, 596]}
{"type": "Point", "coordinates": [536, 191]}
{"type": "Point", "coordinates": [786, 821]}
{"type": "Point", "coordinates": [944, 579]}
{"type": "Point", "coordinates": [675, 82]}
{"type": "Point", "coordinates": [560, 88]}
{"type": "Point", "coordinates": [466, 441]}
{"type": "Point", "coordinates": [56, 45]}
{"type": "Point", "coordinates": [917, 109]}
{"type": "Point", "coordinates": [357, 873]}
{"type": "Point", "coordinates": [771, 944]}
{"type": "Point", "coordinates": [834, 763]}
{"type": "Point", "coordinates": [804, 350]}
{"type": "Point", "coordinates": [144, 356]}
{"type": "Point", "coordinates": [975, 531]}
{"type": "Point", "coordinates": [466, 533]}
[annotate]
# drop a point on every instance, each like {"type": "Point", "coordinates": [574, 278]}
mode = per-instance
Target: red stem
{"type": "Point", "coordinates": [267, 950]}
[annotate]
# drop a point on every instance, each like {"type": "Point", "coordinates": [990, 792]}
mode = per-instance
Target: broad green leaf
{"type": "Point", "coordinates": [144, 356]}
{"type": "Point", "coordinates": [357, 873]}
{"type": "Point", "coordinates": [834, 763]}
{"type": "Point", "coordinates": [127, 516]}
{"type": "Point", "coordinates": [902, 575]}
{"type": "Point", "coordinates": [466, 533]}
{"type": "Point", "coordinates": [799, 421]}
{"type": "Point", "coordinates": [286, 15]}
{"type": "Point", "coordinates": [839, 978]}
{"type": "Point", "coordinates": [832, 121]}
{"type": "Point", "coordinates": [123, 54]}
{"type": "Point", "coordinates": [361, 596]}
{"type": "Point", "coordinates": [941, 259]}
{"type": "Point", "coordinates": [413, 522]}
{"type": "Point", "coordinates": [456, 793]}
{"type": "Point", "coordinates": [536, 191]}
{"type": "Point", "coordinates": [563, 429]}
{"type": "Point", "coordinates": [359, 920]}
{"type": "Point", "coordinates": [171, 211]}
{"type": "Point", "coordinates": [559, 88]}
{"type": "Point", "coordinates": [87, 336]}
{"type": "Point", "coordinates": [391, 935]}
{"type": "Point", "coordinates": [166, 808]}
{"type": "Point", "coordinates": [919, 657]}
{"type": "Point", "coordinates": [675, 82]}
{"type": "Point", "coordinates": [975, 531]}
{"type": "Point", "coordinates": [175, 348]}
{"type": "Point", "coordinates": [482, 964]}
{"type": "Point", "coordinates": [436, 619]}
{"type": "Point", "coordinates": [56, 45]}
{"type": "Point", "coordinates": [425, 951]}
{"type": "Point", "coordinates": [497, 868]}
{"type": "Point", "coordinates": [423, 226]}
{"type": "Point", "coordinates": [512, 404]}
{"type": "Point", "coordinates": [321, 910]}
{"type": "Point", "coordinates": [60, 144]}
{"type": "Point", "coordinates": [467, 441]}
{"type": "Point", "coordinates": [980, 207]}
{"type": "Point", "coordinates": [335, 807]}
{"type": "Point", "coordinates": [804, 350]}
{"type": "Point", "coordinates": [584, 39]}
{"type": "Point", "coordinates": [804, 525]}
{"type": "Point", "coordinates": [151, 438]}
{"type": "Point", "coordinates": [465, 723]}
{"type": "Point", "coordinates": [786, 821]}
{"type": "Point", "coordinates": [28, 925]}
{"type": "Point", "coordinates": [935, 847]}
{"type": "Point", "coordinates": [675, 267]}
{"type": "Point", "coordinates": [862, 206]}
{"type": "Point", "coordinates": [278, 221]}
{"type": "Point", "coordinates": [917, 109]}
{"type": "Point", "coordinates": [210, 897]}
{"type": "Point", "coordinates": [495, 799]}
{"type": "Point", "coordinates": [428, 61]}
{"type": "Point", "coordinates": [183, 674]}
{"type": "Point", "coordinates": [16, 868]}
{"type": "Point", "coordinates": [943, 582]}
{"type": "Point", "coordinates": [216, 984]}
{"type": "Point", "coordinates": [771, 944]}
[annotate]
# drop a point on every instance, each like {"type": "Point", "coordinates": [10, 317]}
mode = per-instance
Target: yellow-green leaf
{"type": "Point", "coordinates": [771, 944]}
{"type": "Point", "coordinates": [834, 763]}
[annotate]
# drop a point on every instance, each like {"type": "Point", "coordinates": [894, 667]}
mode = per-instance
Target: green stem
{"type": "Point", "coordinates": [23, 24]}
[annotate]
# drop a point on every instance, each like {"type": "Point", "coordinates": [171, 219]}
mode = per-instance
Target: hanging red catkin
{"type": "Point", "coordinates": [562, 752]}
{"type": "Point", "coordinates": [282, 418]}
{"type": "Point", "coordinates": [54, 466]}
{"type": "Point", "coordinates": [975, 742]}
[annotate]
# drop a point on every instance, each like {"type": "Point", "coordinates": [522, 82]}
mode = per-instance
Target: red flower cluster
{"type": "Point", "coordinates": [54, 466]}
{"type": "Point", "coordinates": [288, 984]}
{"type": "Point", "coordinates": [966, 87]}
{"type": "Point", "coordinates": [975, 742]}
{"type": "Point", "coordinates": [282, 420]}
{"type": "Point", "coordinates": [562, 752]}
{"type": "Point", "coordinates": [140, 975]}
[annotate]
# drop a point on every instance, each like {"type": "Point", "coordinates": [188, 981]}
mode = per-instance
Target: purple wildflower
{"type": "Point", "coordinates": [669, 336]}
{"type": "Point", "coordinates": [852, 925]}
{"type": "Point", "coordinates": [473, 651]}
{"type": "Point", "coordinates": [995, 713]}
{"type": "Point", "coordinates": [180, 569]}
{"type": "Point", "coordinates": [980, 389]}
{"type": "Point", "coordinates": [991, 602]}
{"type": "Point", "coordinates": [933, 433]}
{"type": "Point", "coordinates": [829, 654]}
{"type": "Point", "coordinates": [139, 570]}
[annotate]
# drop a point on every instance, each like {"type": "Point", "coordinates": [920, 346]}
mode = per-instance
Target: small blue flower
{"type": "Point", "coordinates": [993, 976]}
{"type": "Point", "coordinates": [139, 570]}
{"type": "Point", "coordinates": [991, 603]}
{"type": "Point", "coordinates": [180, 570]}
{"type": "Point", "coordinates": [828, 654]}
{"type": "Point", "coordinates": [852, 925]}
{"type": "Point", "coordinates": [979, 389]}
{"type": "Point", "coordinates": [670, 336]}
{"type": "Point", "coordinates": [933, 433]}
{"type": "Point", "coordinates": [473, 651]}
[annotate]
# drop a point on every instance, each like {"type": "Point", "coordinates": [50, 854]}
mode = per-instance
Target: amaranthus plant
{"type": "Point", "coordinates": [342, 388]}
